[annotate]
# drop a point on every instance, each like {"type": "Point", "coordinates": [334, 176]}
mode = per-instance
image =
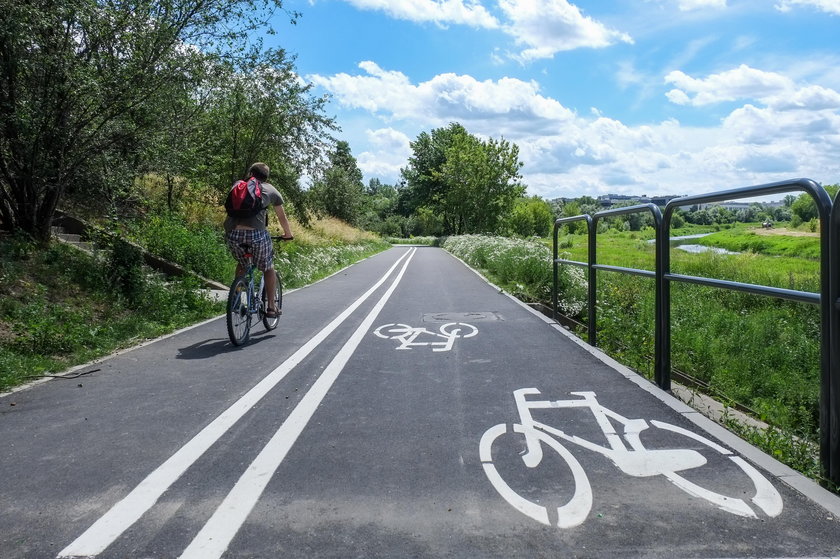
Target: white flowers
{"type": "Point", "coordinates": [524, 266]}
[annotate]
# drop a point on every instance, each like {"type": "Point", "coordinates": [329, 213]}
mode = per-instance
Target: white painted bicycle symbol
{"type": "Point", "coordinates": [635, 460]}
{"type": "Point", "coordinates": [408, 335]}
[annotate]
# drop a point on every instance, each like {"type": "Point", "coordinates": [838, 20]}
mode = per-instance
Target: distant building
{"type": "Point", "coordinates": [609, 200]}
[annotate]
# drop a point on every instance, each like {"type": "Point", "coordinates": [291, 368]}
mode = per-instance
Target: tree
{"type": "Point", "coordinates": [803, 209]}
{"type": "Point", "coordinates": [258, 110]}
{"type": "Point", "coordinates": [530, 216]}
{"type": "Point", "coordinates": [77, 96]}
{"type": "Point", "coordinates": [340, 192]}
{"type": "Point", "coordinates": [470, 183]}
{"type": "Point", "coordinates": [422, 187]}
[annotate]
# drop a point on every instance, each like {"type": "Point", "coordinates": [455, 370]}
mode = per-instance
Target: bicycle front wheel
{"type": "Point", "coordinates": [238, 315]}
{"type": "Point", "coordinates": [271, 323]}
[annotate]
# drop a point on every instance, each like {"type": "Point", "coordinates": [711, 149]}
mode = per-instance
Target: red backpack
{"type": "Point", "coordinates": [245, 199]}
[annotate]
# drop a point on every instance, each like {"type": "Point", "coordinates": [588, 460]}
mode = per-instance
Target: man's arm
{"type": "Point", "coordinates": [284, 221]}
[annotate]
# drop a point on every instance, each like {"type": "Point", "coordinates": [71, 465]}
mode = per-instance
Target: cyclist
{"type": "Point", "coordinates": [252, 231]}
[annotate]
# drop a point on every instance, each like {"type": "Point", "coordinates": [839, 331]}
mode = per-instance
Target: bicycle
{"type": "Point", "coordinates": [407, 334]}
{"type": "Point", "coordinates": [636, 460]}
{"type": "Point", "coordinates": [243, 304]}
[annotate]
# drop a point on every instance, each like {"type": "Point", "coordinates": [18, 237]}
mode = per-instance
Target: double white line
{"type": "Point", "coordinates": [214, 538]}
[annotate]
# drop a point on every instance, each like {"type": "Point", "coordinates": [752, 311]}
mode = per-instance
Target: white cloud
{"type": "Point", "coordinates": [790, 132]}
{"type": "Point", "coordinates": [546, 27]}
{"type": "Point", "coordinates": [830, 6]}
{"type": "Point", "coordinates": [741, 83]}
{"type": "Point", "coordinates": [689, 5]}
{"type": "Point", "coordinates": [388, 153]}
{"type": "Point", "coordinates": [442, 12]}
{"type": "Point", "coordinates": [444, 98]}
{"type": "Point", "coordinates": [813, 97]}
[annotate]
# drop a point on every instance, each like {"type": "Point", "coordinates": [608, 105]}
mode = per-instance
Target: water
{"type": "Point", "coordinates": [696, 249]}
{"type": "Point", "coordinates": [676, 242]}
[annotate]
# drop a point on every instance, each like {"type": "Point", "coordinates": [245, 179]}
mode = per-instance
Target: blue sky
{"type": "Point", "coordinates": [626, 97]}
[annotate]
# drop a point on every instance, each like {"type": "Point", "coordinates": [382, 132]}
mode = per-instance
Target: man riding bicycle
{"type": "Point", "coordinates": [252, 231]}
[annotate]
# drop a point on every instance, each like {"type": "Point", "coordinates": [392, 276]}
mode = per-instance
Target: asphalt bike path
{"type": "Point", "coordinates": [402, 408]}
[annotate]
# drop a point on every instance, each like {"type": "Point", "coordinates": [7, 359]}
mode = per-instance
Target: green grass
{"type": "Point", "coordinates": [59, 307]}
{"type": "Point", "coordinates": [427, 241]}
{"type": "Point", "coordinates": [752, 240]}
{"type": "Point", "coordinates": [632, 250]}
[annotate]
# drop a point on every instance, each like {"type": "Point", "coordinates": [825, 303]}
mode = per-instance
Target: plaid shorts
{"type": "Point", "coordinates": [261, 247]}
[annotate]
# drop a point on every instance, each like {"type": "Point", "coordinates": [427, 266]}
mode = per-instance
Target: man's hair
{"type": "Point", "coordinates": [259, 171]}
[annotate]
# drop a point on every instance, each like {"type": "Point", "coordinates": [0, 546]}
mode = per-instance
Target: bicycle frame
{"type": "Point", "coordinates": [254, 301]}
{"type": "Point", "coordinates": [636, 460]}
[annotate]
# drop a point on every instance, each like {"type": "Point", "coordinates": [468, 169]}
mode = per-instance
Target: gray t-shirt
{"type": "Point", "coordinates": [270, 197]}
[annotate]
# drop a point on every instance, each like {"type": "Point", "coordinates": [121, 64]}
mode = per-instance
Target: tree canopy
{"type": "Point", "coordinates": [468, 182]}
{"type": "Point", "coordinates": [95, 92]}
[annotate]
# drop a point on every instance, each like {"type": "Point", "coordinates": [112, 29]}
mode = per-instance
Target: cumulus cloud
{"type": "Point", "coordinates": [444, 98]}
{"type": "Point", "coordinates": [546, 27]}
{"type": "Point", "coordinates": [541, 27]}
{"type": "Point", "coordinates": [442, 12]}
{"type": "Point", "coordinates": [779, 94]}
{"type": "Point", "coordinates": [740, 83]}
{"type": "Point", "coordinates": [830, 6]}
{"type": "Point", "coordinates": [388, 153]}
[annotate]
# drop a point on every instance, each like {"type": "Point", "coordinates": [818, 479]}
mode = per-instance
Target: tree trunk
{"type": "Point", "coordinates": [29, 207]}
{"type": "Point", "coordinates": [169, 188]}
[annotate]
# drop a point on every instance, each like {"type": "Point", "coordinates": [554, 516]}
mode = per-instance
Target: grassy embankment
{"type": "Point", "coordinates": [60, 307]}
{"type": "Point", "coordinates": [755, 351]}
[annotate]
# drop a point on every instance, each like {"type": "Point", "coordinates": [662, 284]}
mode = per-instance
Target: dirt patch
{"type": "Point", "coordinates": [784, 231]}
{"type": "Point", "coordinates": [7, 334]}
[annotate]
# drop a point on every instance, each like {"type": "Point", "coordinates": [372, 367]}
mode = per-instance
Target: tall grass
{"type": "Point", "coordinates": [324, 247]}
{"type": "Point", "coordinates": [522, 267]}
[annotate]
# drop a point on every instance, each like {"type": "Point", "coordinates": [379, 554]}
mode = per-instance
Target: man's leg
{"type": "Point", "coordinates": [270, 283]}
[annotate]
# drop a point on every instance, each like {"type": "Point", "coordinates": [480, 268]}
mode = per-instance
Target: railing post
{"type": "Point", "coordinates": [554, 272]}
{"type": "Point", "coordinates": [662, 372]}
{"type": "Point", "coordinates": [830, 444]}
{"type": "Point", "coordinates": [591, 302]}
{"type": "Point", "coordinates": [592, 232]}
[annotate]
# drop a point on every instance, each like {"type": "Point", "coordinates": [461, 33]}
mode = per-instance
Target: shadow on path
{"type": "Point", "coordinates": [213, 347]}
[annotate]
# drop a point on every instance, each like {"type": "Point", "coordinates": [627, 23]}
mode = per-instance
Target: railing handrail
{"type": "Point", "coordinates": [828, 297]}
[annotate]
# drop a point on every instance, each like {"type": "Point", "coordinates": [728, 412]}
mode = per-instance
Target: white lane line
{"type": "Point", "coordinates": [215, 537]}
{"type": "Point", "coordinates": [126, 512]}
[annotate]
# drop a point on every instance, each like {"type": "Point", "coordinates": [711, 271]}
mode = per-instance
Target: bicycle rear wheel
{"type": "Point", "coordinates": [238, 315]}
{"type": "Point", "coordinates": [271, 323]}
{"type": "Point", "coordinates": [574, 508]}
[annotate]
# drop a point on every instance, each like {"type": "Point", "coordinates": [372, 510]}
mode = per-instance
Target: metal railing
{"type": "Point", "coordinates": [828, 299]}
